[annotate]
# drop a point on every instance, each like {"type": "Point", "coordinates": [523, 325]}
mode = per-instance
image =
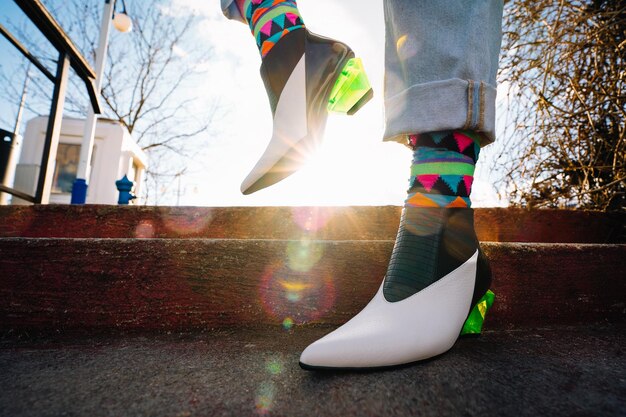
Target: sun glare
{"type": "Point", "coordinates": [352, 167]}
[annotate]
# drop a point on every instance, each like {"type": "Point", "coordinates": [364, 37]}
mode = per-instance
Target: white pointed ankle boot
{"type": "Point", "coordinates": [305, 77]}
{"type": "Point", "coordinates": [409, 321]}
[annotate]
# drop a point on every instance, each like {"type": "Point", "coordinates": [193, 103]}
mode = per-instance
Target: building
{"type": "Point", "coordinates": [115, 154]}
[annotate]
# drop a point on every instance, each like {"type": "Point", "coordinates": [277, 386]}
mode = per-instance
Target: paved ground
{"type": "Point", "coordinates": [546, 372]}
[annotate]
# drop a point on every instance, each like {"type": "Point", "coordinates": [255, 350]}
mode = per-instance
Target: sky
{"type": "Point", "coordinates": [12, 63]}
{"type": "Point", "coordinates": [353, 166]}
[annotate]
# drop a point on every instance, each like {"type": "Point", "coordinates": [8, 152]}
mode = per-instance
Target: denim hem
{"type": "Point", "coordinates": [441, 105]}
{"type": "Point", "coordinates": [230, 10]}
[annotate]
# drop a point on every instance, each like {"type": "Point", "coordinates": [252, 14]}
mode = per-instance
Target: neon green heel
{"type": "Point", "coordinates": [474, 323]}
{"type": "Point", "coordinates": [351, 90]}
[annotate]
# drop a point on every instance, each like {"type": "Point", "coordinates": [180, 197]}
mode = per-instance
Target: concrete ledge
{"type": "Point", "coordinates": [246, 372]}
{"type": "Point", "coordinates": [328, 223]}
{"type": "Point", "coordinates": [183, 284]}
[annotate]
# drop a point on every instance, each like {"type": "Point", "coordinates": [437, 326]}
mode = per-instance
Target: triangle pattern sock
{"type": "Point", "coordinates": [433, 227]}
{"type": "Point", "coordinates": [442, 171]}
{"type": "Point", "coordinates": [270, 20]}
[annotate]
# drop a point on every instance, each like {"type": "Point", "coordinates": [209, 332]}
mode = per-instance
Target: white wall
{"type": "Point", "coordinates": [114, 154]}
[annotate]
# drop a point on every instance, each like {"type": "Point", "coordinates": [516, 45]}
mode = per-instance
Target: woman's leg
{"type": "Point", "coordinates": [441, 62]}
{"type": "Point", "coordinates": [305, 76]}
{"type": "Point", "coordinates": [269, 20]}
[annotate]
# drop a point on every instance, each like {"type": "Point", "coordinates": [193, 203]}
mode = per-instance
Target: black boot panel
{"type": "Point", "coordinates": [279, 63]}
{"type": "Point", "coordinates": [325, 58]}
{"type": "Point", "coordinates": [413, 260]}
{"type": "Point", "coordinates": [431, 243]}
{"type": "Point", "coordinates": [459, 241]}
{"type": "Point", "coordinates": [483, 278]}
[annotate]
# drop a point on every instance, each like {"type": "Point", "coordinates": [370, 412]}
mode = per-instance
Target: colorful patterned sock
{"type": "Point", "coordinates": [270, 20]}
{"type": "Point", "coordinates": [432, 239]}
{"type": "Point", "coordinates": [443, 168]}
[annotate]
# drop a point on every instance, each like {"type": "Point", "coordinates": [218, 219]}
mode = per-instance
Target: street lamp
{"type": "Point", "coordinates": [123, 23]}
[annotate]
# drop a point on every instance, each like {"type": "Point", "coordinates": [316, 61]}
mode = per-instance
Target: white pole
{"type": "Point", "coordinates": [86, 148]}
{"type": "Point", "coordinates": [16, 146]}
{"type": "Point", "coordinates": [20, 111]}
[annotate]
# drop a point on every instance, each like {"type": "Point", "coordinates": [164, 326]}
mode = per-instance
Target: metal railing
{"type": "Point", "coordinates": [69, 56]}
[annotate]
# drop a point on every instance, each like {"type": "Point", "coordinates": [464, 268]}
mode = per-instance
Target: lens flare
{"type": "Point", "coordinates": [456, 243]}
{"type": "Point", "coordinates": [422, 222]}
{"type": "Point", "coordinates": [294, 286]}
{"type": "Point", "coordinates": [186, 222]}
{"type": "Point", "coordinates": [288, 323]}
{"type": "Point", "coordinates": [406, 47]}
{"type": "Point", "coordinates": [294, 297]}
{"type": "Point", "coordinates": [265, 398]}
{"type": "Point", "coordinates": [145, 229]}
{"type": "Point", "coordinates": [311, 219]}
{"type": "Point", "coordinates": [303, 254]}
{"type": "Point", "coordinates": [299, 296]}
{"type": "Point", "coordinates": [274, 366]}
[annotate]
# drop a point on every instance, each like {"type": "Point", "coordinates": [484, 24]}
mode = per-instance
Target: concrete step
{"type": "Point", "coordinates": [328, 223]}
{"type": "Point", "coordinates": [558, 371]}
{"type": "Point", "coordinates": [186, 284]}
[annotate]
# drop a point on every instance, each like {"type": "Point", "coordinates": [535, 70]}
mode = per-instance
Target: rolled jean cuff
{"type": "Point", "coordinates": [441, 105]}
{"type": "Point", "coordinates": [230, 10]}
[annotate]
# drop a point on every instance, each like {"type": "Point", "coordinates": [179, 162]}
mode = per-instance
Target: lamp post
{"type": "Point", "coordinates": [123, 23]}
{"type": "Point", "coordinates": [7, 177]}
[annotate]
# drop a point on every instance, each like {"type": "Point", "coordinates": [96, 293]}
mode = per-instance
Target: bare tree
{"type": "Point", "coordinates": [148, 85]}
{"type": "Point", "coordinates": [564, 63]}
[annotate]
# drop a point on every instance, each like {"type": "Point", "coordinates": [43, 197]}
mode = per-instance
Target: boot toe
{"type": "Point", "coordinates": [393, 333]}
{"type": "Point", "coordinates": [334, 351]}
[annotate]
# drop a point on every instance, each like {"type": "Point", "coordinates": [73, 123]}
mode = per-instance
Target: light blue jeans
{"type": "Point", "coordinates": [441, 60]}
